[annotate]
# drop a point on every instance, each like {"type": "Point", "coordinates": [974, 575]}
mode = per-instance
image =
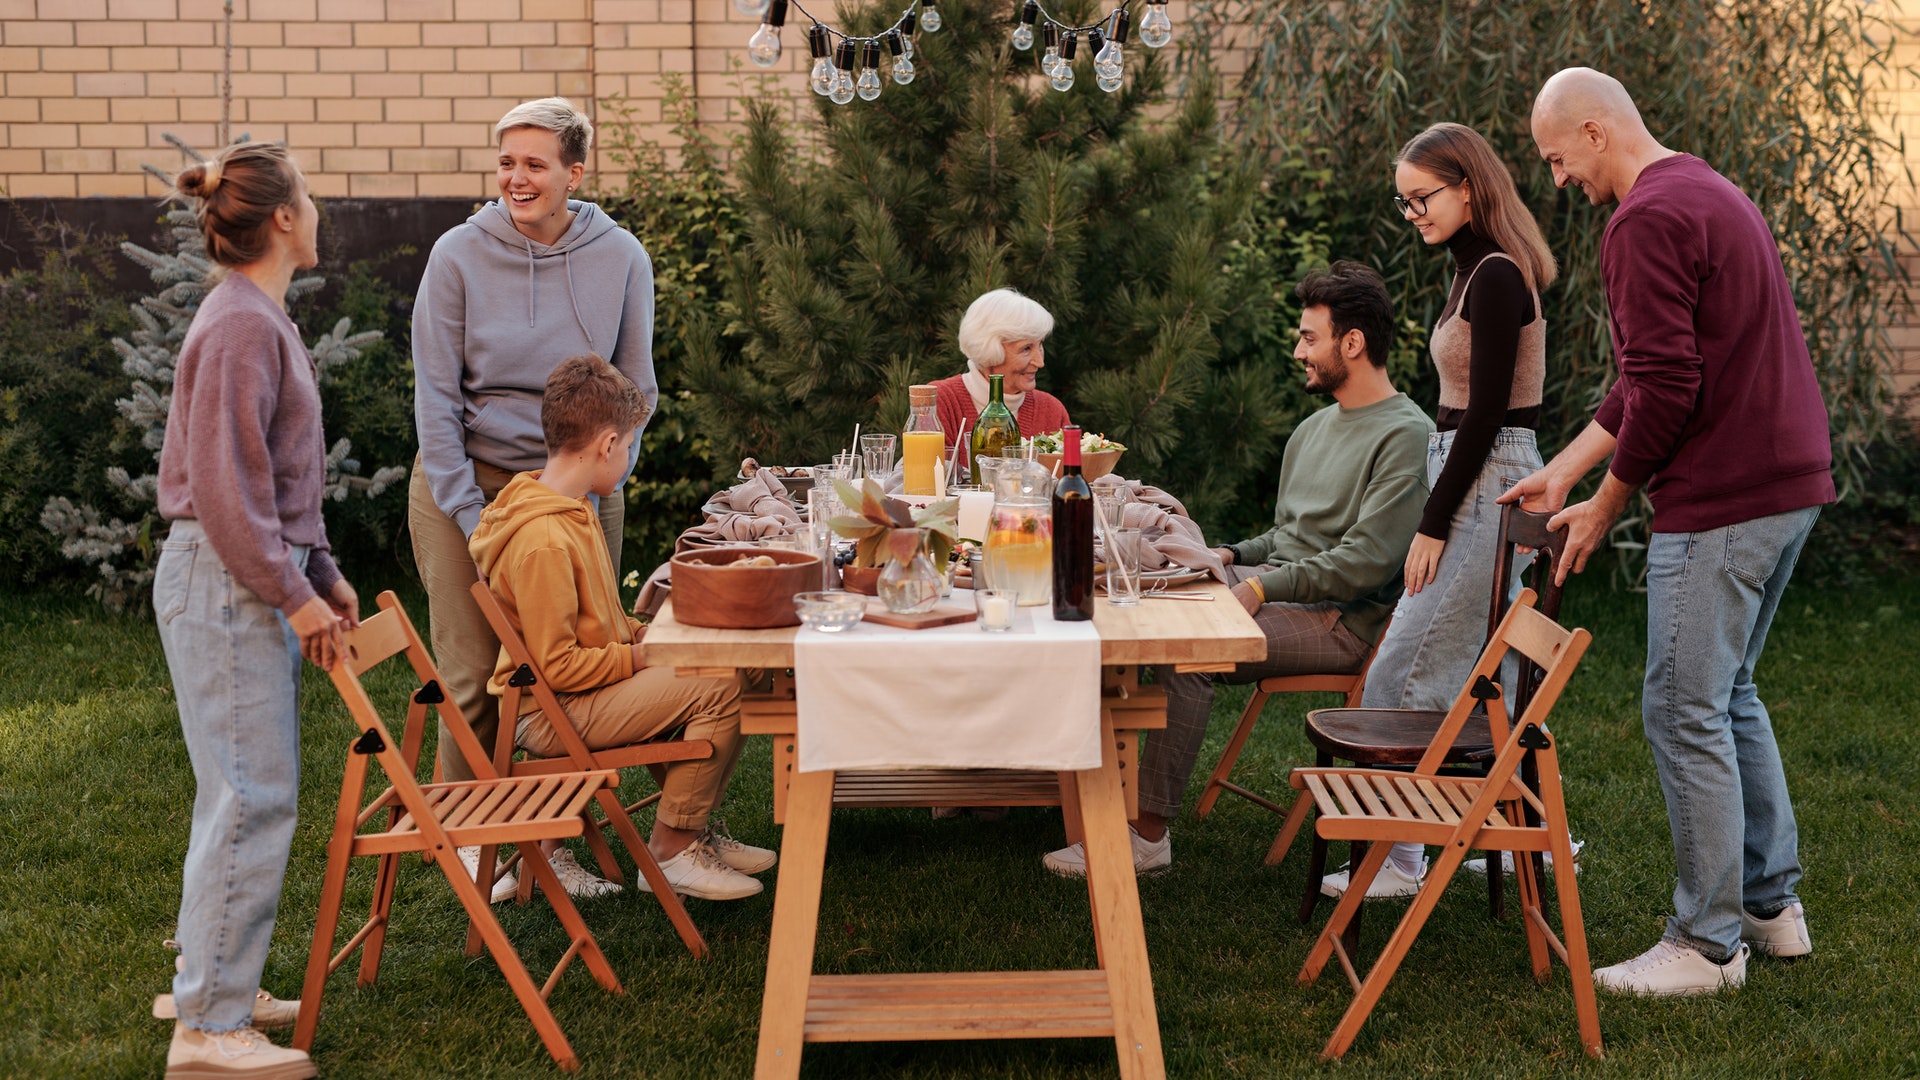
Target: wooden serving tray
{"type": "Point", "coordinates": [943, 614]}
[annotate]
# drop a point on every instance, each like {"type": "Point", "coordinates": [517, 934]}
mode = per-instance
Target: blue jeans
{"type": "Point", "coordinates": [1710, 598]}
{"type": "Point", "coordinates": [1437, 633]}
{"type": "Point", "coordinates": [235, 663]}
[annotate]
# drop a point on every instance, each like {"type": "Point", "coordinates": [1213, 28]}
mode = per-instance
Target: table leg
{"type": "Point", "coordinates": [796, 919]}
{"type": "Point", "coordinates": [1117, 923]}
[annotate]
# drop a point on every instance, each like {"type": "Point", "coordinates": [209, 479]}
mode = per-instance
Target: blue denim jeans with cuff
{"type": "Point", "coordinates": [235, 663]}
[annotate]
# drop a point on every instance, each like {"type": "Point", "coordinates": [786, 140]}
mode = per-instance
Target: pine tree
{"type": "Point", "coordinates": [870, 230]}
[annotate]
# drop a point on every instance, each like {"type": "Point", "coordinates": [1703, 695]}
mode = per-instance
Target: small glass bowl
{"type": "Point", "coordinates": [830, 612]}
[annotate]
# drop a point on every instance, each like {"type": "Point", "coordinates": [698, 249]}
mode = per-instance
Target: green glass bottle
{"type": "Point", "coordinates": [996, 428]}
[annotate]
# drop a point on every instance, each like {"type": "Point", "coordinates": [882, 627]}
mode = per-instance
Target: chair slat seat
{"type": "Point", "coordinates": [476, 812]}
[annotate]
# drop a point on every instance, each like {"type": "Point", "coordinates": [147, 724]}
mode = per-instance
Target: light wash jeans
{"type": "Point", "coordinates": [1437, 633]}
{"type": "Point", "coordinates": [235, 663]}
{"type": "Point", "coordinates": [1710, 598]}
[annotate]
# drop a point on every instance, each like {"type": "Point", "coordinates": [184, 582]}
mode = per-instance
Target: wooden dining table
{"type": "Point", "coordinates": [1114, 1000]}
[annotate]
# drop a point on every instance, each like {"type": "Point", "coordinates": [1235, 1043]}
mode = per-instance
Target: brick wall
{"type": "Point", "coordinates": [1903, 87]}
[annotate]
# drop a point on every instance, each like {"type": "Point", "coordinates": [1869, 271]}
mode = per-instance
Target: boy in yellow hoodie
{"type": "Point", "coordinates": [544, 554]}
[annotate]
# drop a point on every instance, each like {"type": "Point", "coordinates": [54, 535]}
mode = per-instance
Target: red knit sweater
{"type": "Point", "coordinates": [1040, 413]}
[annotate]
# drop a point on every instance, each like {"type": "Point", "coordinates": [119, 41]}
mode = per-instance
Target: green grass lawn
{"type": "Point", "coordinates": [95, 795]}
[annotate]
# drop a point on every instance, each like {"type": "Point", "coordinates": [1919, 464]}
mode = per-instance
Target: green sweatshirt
{"type": "Point", "coordinates": [1352, 485]}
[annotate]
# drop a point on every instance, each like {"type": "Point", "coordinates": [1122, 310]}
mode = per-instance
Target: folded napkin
{"type": "Point", "coordinates": [1168, 538]}
{"type": "Point", "coordinates": [747, 511]}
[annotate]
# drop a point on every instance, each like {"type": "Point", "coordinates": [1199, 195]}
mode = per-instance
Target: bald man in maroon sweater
{"type": "Point", "coordinates": [1718, 414]}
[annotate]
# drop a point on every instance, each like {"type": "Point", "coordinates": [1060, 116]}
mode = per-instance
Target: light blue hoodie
{"type": "Point", "coordinates": [495, 315]}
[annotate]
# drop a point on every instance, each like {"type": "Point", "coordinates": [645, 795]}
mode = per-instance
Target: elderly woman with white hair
{"type": "Point", "coordinates": [532, 278]}
{"type": "Point", "coordinates": [1002, 333]}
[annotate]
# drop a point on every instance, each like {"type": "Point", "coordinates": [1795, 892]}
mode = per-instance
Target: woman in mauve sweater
{"type": "Point", "coordinates": [1489, 347]}
{"type": "Point", "coordinates": [1002, 333]}
{"type": "Point", "coordinates": [245, 587]}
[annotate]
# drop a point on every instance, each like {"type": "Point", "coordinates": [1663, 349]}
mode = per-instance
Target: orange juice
{"type": "Point", "coordinates": [920, 451]}
{"type": "Point", "coordinates": [1019, 553]}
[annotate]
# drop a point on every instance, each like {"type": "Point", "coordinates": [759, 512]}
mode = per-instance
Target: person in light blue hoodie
{"type": "Point", "coordinates": [530, 279]}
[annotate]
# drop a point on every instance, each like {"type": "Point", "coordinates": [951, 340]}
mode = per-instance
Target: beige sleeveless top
{"type": "Point", "coordinates": [1452, 346]}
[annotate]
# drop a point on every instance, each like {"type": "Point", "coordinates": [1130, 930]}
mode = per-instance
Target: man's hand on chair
{"type": "Point", "coordinates": [320, 629]}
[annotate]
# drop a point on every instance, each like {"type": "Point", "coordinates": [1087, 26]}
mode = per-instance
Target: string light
{"type": "Point", "coordinates": [1023, 34]}
{"type": "Point", "coordinates": [902, 63]}
{"type": "Point", "coordinates": [832, 73]}
{"type": "Point", "coordinates": [1105, 40]}
{"type": "Point", "coordinates": [763, 48]}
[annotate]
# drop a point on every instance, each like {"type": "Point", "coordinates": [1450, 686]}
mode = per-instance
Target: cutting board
{"type": "Point", "coordinates": [943, 614]}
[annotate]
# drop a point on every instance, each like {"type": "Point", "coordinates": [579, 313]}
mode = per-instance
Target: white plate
{"type": "Point", "coordinates": [1169, 576]}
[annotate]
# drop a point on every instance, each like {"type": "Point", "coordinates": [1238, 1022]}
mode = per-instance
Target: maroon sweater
{"type": "Point", "coordinates": [1717, 409]}
{"type": "Point", "coordinates": [1040, 413]}
{"type": "Point", "coordinates": [243, 450]}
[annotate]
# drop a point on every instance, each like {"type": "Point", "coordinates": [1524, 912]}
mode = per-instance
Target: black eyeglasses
{"type": "Point", "coordinates": [1416, 204]}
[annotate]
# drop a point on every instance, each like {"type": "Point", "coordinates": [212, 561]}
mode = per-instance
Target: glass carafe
{"type": "Point", "coordinates": [1019, 554]}
{"type": "Point", "coordinates": [923, 445]}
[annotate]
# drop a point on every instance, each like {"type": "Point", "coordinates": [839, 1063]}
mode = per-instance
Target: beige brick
{"type": "Point", "coordinates": [110, 84]}
{"type": "Point", "coordinates": [39, 84]}
{"type": "Point", "coordinates": [348, 110]}
{"type": "Point", "coordinates": [325, 35]}
{"type": "Point", "coordinates": [326, 185]}
{"type": "Point", "coordinates": [451, 35]}
{"type": "Point", "coordinates": [146, 58]}
{"type": "Point", "coordinates": [354, 11]}
{"type": "Point", "coordinates": [258, 84]}
{"type": "Point", "coordinates": [417, 110]}
{"type": "Point", "coordinates": [362, 59]}
{"type": "Point", "coordinates": [189, 84]}
{"type": "Point", "coordinates": [380, 185]}
{"type": "Point", "coordinates": [19, 161]}
{"type": "Point", "coordinates": [73, 9]}
{"type": "Point", "coordinates": [281, 110]}
{"type": "Point", "coordinates": [198, 59]}
{"type": "Point", "coordinates": [386, 134]}
{"type": "Point", "coordinates": [320, 86]}
{"type": "Point", "coordinates": [34, 136]}
{"type": "Point", "coordinates": [609, 35]}
{"type": "Point", "coordinates": [554, 9]}
{"type": "Point", "coordinates": [488, 10]}
{"type": "Point", "coordinates": [483, 159]}
{"type": "Point", "coordinates": [265, 35]}
{"type": "Point", "coordinates": [397, 84]}
{"type": "Point", "coordinates": [18, 9]}
{"type": "Point", "coordinates": [486, 110]}
{"type": "Point", "coordinates": [110, 33]}
{"type": "Point", "coordinates": [574, 33]}
{"type": "Point", "coordinates": [24, 59]}
{"type": "Point", "coordinates": [574, 84]}
{"type": "Point", "coordinates": [557, 59]}
{"type": "Point", "coordinates": [117, 184]}
{"type": "Point", "coordinates": [425, 161]}
{"type": "Point", "coordinates": [478, 59]}
{"type": "Point", "coordinates": [40, 187]}
{"type": "Point", "coordinates": [452, 85]}
{"type": "Point", "coordinates": [628, 11]}
{"type": "Point", "coordinates": [113, 136]}
{"type": "Point", "coordinates": [176, 32]}
{"type": "Point", "coordinates": [419, 59]}
{"type": "Point", "coordinates": [451, 186]}
{"type": "Point", "coordinates": [381, 35]}
{"type": "Point", "coordinates": [79, 161]}
{"type": "Point", "coordinates": [524, 85]}
{"type": "Point", "coordinates": [674, 36]}
{"type": "Point", "coordinates": [21, 33]}
{"type": "Point", "coordinates": [283, 59]}
{"type": "Point", "coordinates": [23, 110]}
{"type": "Point", "coordinates": [144, 110]}
{"type": "Point", "coordinates": [626, 61]}
{"type": "Point", "coordinates": [156, 151]}
{"type": "Point", "coordinates": [499, 34]}
{"type": "Point", "coordinates": [283, 10]}
{"type": "Point", "coordinates": [343, 159]}
{"type": "Point", "coordinates": [142, 9]}
{"type": "Point", "coordinates": [456, 135]}
{"type": "Point", "coordinates": [210, 11]}
{"type": "Point", "coordinates": [321, 134]}
{"type": "Point", "coordinates": [73, 111]}
{"type": "Point", "coordinates": [207, 111]}
{"type": "Point", "coordinates": [680, 12]}
{"type": "Point", "coordinates": [421, 10]}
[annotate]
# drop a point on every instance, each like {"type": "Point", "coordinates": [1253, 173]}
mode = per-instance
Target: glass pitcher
{"type": "Point", "coordinates": [1019, 555]}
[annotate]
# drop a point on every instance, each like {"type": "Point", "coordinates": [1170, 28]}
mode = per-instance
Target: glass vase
{"type": "Point", "coordinates": [910, 589]}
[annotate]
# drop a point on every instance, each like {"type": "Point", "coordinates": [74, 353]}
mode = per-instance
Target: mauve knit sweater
{"type": "Point", "coordinates": [244, 453]}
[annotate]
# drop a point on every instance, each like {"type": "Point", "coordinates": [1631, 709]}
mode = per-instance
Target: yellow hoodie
{"type": "Point", "coordinates": [545, 557]}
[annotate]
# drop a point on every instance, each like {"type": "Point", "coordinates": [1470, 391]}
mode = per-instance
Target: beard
{"type": "Point", "coordinates": [1325, 379]}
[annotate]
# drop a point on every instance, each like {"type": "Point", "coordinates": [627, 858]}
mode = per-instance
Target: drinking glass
{"type": "Point", "coordinates": [1123, 567]}
{"type": "Point", "coordinates": [1110, 500]}
{"type": "Point", "coordinates": [876, 455]}
{"type": "Point", "coordinates": [847, 464]}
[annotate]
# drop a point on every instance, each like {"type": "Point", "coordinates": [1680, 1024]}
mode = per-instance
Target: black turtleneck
{"type": "Point", "coordinates": [1497, 307]}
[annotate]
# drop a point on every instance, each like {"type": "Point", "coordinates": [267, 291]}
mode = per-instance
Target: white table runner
{"type": "Point", "coordinates": [951, 697]}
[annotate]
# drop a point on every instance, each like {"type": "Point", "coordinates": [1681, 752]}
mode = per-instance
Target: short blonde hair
{"type": "Point", "coordinates": [996, 318]}
{"type": "Point", "coordinates": [555, 114]}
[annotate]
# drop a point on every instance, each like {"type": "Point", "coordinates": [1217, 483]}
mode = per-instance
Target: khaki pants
{"type": "Point", "coordinates": [652, 703]}
{"type": "Point", "coordinates": [464, 648]}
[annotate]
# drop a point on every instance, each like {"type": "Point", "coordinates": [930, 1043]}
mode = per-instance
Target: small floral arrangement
{"type": "Point", "coordinates": [886, 528]}
{"type": "Point", "coordinates": [1091, 442]}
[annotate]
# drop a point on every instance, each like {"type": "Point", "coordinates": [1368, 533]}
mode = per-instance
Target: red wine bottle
{"type": "Point", "coordinates": [1072, 535]}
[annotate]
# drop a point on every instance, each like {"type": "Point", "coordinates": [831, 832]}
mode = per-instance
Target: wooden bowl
{"type": "Point", "coordinates": [709, 591]}
{"type": "Point", "coordinates": [1092, 466]}
{"type": "Point", "coordinates": [864, 580]}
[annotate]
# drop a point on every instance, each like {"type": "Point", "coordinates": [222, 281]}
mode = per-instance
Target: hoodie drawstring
{"type": "Point", "coordinates": [566, 261]}
{"type": "Point", "coordinates": [529, 283]}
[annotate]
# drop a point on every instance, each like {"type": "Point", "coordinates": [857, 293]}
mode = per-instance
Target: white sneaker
{"type": "Point", "coordinates": [699, 871]}
{"type": "Point", "coordinates": [504, 886]}
{"type": "Point", "coordinates": [196, 1055]}
{"type": "Point", "coordinates": [742, 857]}
{"type": "Point", "coordinates": [268, 1011]}
{"type": "Point", "coordinates": [1669, 969]}
{"type": "Point", "coordinates": [1479, 866]}
{"type": "Point", "coordinates": [1389, 884]}
{"type": "Point", "coordinates": [580, 882]}
{"type": "Point", "coordinates": [1785, 935]}
{"type": "Point", "coordinates": [1150, 857]}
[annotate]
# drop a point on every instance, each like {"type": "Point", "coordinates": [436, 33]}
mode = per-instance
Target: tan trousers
{"type": "Point", "coordinates": [652, 703]}
{"type": "Point", "coordinates": [464, 647]}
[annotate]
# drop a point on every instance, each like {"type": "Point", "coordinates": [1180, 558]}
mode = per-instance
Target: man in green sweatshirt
{"type": "Point", "coordinates": [1322, 582]}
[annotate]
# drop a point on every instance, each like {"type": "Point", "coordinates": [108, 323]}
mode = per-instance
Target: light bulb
{"type": "Point", "coordinates": [822, 77]}
{"type": "Point", "coordinates": [1023, 37]}
{"type": "Point", "coordinates": [842, 87]}
{"type": "Point", "coordinates": [763, 48]}
{"type": "Point", "coordinates": [869, 85]}
{"type": "Point", "coordinates": [1108, 61]}
{"type": "Point", "coordinates": [1107, 83]}
{"type": "Point", "coordinates": [1063, 77]}
{"type": "Point", "coordinates": [1050, 60]}
{"type": "Point", "coordinates": [906, 46]}
{"type": "Point", "coordinates": [752, 9]}
{"type": "Point", "coordinates": [902, 64]}
{"type": "Point", "coordinates": [929, 17]}
{"type": "Point", "coordinates": [1156, 28]}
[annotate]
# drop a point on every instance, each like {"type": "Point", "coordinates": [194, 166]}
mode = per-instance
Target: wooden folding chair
{"type": "Point", "coordinates": [435, 820]}
{"type": "Point", "coordinates": [1380, 806]}
{"type": "Point", "coordinates": [528, 678]}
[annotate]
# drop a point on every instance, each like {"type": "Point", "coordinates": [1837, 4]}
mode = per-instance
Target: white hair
{"type": "Point", "coordinates": [997, 318]}
{"type": "Point", "coordinates": [555, 114]}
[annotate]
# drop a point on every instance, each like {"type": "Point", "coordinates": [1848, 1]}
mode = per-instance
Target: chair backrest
{"type": "Point", "coordinates": [1524, 528]}
{"type": "Point", "coordinates": [376, 640]}
{"type": "Point", "coordinates": [1540, 640]}
{"type": "Point", "coordinates": [527, 677]}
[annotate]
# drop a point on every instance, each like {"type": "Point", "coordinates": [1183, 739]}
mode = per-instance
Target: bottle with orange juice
{"type": "Point", "coordinates": [923, 445]}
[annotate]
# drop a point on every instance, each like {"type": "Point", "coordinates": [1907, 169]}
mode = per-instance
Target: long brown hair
{"type": "Point", "coordinates": [235, 194]}
{"type": "Point", "coordinates": [1455, 152]}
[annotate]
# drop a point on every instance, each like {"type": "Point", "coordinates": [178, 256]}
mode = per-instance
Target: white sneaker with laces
{"type": "Point", "coordinates": [1389, 884]}
{"type": "Point", "coordinates": [699, 871]}
{"type": "Point", "coordinates": [235, 1055]}
{"type": "Point", "coordinates": [1671, 969]}
{"type": "Point", "coordinates": [268, 1011]}
{"type": "Point", "coordinates": [1784, 936]}
{"type": "Point", "coordinates": [1479, 866]}
{"type": "Point", "coordinates": [742, 857]}
{"type": "Point", "coordinates": [580, 882]}
{"type": "Point", "coordinates": [503, 887]}
{"type": "Point", "coordinates": [1150, 857]}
